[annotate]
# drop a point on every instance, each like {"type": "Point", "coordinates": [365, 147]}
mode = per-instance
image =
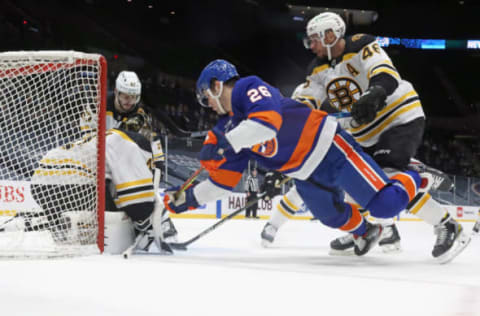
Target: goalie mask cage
{"type": "Point", "coordinates": [52, 153]}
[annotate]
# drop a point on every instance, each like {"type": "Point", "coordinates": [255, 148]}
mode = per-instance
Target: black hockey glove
{"type": "Point", "coordinates": [365, 109]}
{"type": "Point", "coordinates": [134, 123]}
{"type": "Point", "coordinates": [271, 185]}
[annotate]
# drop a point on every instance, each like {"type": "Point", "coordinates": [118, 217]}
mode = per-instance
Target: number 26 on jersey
{"type": "Point", "coordinates": [258, 93]}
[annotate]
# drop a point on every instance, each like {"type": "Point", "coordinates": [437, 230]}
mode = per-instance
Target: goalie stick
{"type": "Point", "coordinates": [183, 245]}
{"type": "Point", "coordinates": [28, 216]}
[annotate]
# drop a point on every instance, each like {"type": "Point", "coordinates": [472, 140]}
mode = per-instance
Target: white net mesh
{"type": "Point", "coordinates": [49, 167]}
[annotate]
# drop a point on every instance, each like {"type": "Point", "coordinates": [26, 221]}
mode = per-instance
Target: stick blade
{"type": "Point", "coordinates": [178, 246]}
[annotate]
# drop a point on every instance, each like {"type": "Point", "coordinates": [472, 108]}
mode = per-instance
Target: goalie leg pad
{"type": "Point", "coordinates": [119, 233]}
{"type": "Point", "coordinates": [149, 232]}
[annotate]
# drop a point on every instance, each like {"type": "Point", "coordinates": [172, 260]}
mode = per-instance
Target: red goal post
{"type": "Point", "coordinates": [52, 173]}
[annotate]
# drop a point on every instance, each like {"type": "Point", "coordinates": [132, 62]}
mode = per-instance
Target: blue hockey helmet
{"type": "Point", "coordinates": [218, 69]}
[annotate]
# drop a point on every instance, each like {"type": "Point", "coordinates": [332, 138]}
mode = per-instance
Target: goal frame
{"type": "Point", "coordinates": [74, 58]}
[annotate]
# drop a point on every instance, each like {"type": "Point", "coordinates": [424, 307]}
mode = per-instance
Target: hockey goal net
{"type": "Point", "coordinates": [51, 166]}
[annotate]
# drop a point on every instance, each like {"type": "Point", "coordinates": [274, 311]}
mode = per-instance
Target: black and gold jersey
{"type": "Point", "coordinates": [341, 82]}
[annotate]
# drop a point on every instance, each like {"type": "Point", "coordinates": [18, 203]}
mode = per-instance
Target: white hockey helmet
{"type": "Point", "coordinates": [320, 24]}
{"type": "Point", "coordinates": [127, 82]}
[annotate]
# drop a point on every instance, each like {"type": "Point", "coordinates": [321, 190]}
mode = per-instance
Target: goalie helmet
{"type": "Point", "coordinates": [220, 70]}
{"type": "Point", "coordinates": [127, 82]}
{"type": "Point", "coordinates": [320, 24]}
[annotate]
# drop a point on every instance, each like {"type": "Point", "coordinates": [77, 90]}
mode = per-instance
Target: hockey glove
{"type": "Point", "coordinates": [134, 123]}
{"type": "Point", "coordinates": [184, 202]}
{"type": "Point", "coordinates": [271, 184]}
{"type": "Point", "coordinates": [215, 145]}
{"type": "Point", "coordinates": [365, 109]}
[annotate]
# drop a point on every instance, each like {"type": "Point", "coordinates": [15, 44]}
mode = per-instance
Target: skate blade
{"type": "Point", "coordinates": [391, 248]}
{"type": "Point", "coordinates": [459, 245]}
{"type": "Point", "coordinates": [266, 244]}
{"type": "Point", "coordinates": [165, 249]}
{"type": "Point", "coordinates": [346, 252]}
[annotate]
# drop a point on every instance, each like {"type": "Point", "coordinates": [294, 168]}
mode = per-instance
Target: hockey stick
{"type": "Point", "coordinates": [2, 225]}
{"type": "Point", "coordinates": [156, 181]}
{"type": "Point", "coordinates": [188, 182]}
{"type": "Point", "coordinates": [183, 245]}
{"type": "Point", "coordinates": [476, 226]}
{"type": "Point", "coordinates": [26, 215]}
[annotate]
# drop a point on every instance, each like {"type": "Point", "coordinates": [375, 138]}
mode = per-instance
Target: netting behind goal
{"type": "Point", "coordinates": [51, 171]}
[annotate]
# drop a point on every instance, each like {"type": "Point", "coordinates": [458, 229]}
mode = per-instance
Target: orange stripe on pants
{"type": "Point", "coordinates": [408, 183]}
{"type": "Point", "coordinates": [355, 220]}
{"type": "Point", "coordinates": [364, 168]}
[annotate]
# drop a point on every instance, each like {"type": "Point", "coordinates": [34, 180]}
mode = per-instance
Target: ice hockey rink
{"type": "Point", "coordinates": [227, 272]}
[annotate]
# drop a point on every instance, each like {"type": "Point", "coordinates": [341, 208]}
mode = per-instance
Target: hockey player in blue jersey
{"type": "Point", "coordinates": [257, 122]}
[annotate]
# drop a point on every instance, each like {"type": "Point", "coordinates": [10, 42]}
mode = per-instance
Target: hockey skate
{"type": "Point", "coordinates": [268, 235]}
{"type": "Point", "coordinates": [389, 242]}
{"type": "Point", "coordinates": [368, 240]}
{"type": "Point", "coordinates": [170, 233]}
{"type": "Point", "coordinates": [390, 239]}
{"type": "Point", "coordinates": [145, 237]}
{"type": "Point", "coordinates": [451, 240]}
{"type": "Point", "coordinates": [342, 246]}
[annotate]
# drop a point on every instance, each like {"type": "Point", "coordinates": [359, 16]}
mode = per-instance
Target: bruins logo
{"type": "Point", "coordinates": [267, 149]}
{"type": "Point", "coordinates": [343, 92]}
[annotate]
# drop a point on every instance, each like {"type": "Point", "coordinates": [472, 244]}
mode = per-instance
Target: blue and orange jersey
{"type": "Point", "coordinates": [302, 135]}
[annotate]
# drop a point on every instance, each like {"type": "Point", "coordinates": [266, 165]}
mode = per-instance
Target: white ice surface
{"type": "Point", "coordinates": [228, 273]}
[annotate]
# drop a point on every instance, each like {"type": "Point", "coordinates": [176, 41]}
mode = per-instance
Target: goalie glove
{"type": "Point", "coordinates": [214, 146]}
{"type": "Point", "coordinates": [134, 123]}
{"type": "Point", "coordinates": [365, 109]}
{"type": "Point", "coordinates": [271, 184]}
{"type": "Point", "coordinates": [183, 202]}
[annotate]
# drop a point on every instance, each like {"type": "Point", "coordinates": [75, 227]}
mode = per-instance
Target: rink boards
{"type": "Point", "coordinates": [16, 196]}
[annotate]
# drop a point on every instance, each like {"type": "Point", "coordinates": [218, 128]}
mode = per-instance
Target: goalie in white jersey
{"type": "Point", "coordinates": [69, 170]}
{"type": "Point", "coordinates": [124, 111]}
{"type": "Point", "coordinates": [355, 75]}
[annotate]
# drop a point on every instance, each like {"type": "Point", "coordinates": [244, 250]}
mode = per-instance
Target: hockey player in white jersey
{"type": "Point", "coordinates": [68, 170]}
{"type": "Point", "coordinates": [131, 189]}
{"type": "Point", "coordinates": [355, 75]}
{"type": "Point", "coordinates": [124, 110]}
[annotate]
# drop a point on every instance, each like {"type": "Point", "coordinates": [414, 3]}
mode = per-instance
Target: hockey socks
{"type": "Point", "coordinates": [426, 208]}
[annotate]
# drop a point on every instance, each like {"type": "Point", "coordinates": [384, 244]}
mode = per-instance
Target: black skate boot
{"type": "Point", "coordinates": [342, 245]}
{"type": "Point", "coordinates": [268, 235]}
{"type": "Point", "coordinates": [390, 239]}
{"type": "Point", "coordinates": [169, 231]}
{"type": "Point", "coordinates": [366, 241]}
{"type": "Point", "coordinates": [451, 240]}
